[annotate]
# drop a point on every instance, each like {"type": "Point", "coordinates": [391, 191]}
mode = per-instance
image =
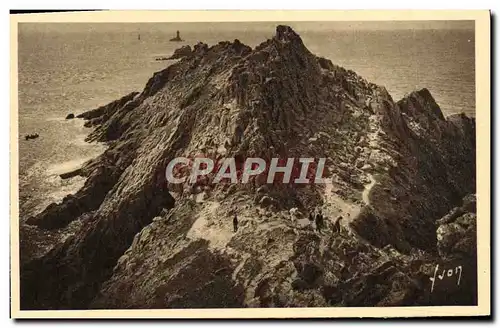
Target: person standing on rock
{"type": "Point", "coordinates": [311, 217]}
{"type": "Point", "coordinates": [337, 226]}
{"type": "Point", "coordinates": [319, 221]}
{"type": "Point", "coordinates": [235, 222]}
{"type": "Point", "coordinates": [294, 214]}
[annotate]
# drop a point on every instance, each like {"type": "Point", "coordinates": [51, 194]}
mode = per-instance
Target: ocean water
{"type": "Point", "coordinates": [70, 68]}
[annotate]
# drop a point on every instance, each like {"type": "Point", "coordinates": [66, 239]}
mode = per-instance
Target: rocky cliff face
{"type": "Point", "coordinates": [396, 168]}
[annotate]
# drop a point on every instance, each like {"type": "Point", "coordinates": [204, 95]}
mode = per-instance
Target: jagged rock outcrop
{"type": "Point", "coordinates": [456, 233]}
{"type": "Point", "coordinates": [435, 168]}
{"type": "Point", "coordinates": [181, 52]}
{"type": "Point", "coordinates": [396, 168]}
{"type": "Point", "coordinates": [103, 113]}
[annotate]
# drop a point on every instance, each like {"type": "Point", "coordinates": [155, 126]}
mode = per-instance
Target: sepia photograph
{"type": "Point", "coordinates": [250, 162]}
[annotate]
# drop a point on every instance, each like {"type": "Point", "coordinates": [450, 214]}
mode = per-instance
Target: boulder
{"type": "Point", "coordinates": [266, 201]}
{"type": "Point", "coordinates": [264, 189]}
{"type": "Point", "coordinates": [456, 233]}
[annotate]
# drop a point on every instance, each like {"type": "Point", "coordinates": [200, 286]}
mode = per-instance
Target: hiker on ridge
{"type": "Point", "coordinates": [235, 223]}
{"type": "Point", "coordinates": [337, 226]}
{"type": "Point", "coordinates": [319, 221]}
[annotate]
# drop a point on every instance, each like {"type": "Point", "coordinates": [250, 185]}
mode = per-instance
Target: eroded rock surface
{"type": "Point", "coordinates": [456, 233]}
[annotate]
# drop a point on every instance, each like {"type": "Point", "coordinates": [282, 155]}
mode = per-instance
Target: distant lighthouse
{"type": "Point", "coordinates": [177, 37]}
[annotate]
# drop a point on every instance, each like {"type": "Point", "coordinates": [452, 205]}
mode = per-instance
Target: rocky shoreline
{"type": "Point", "coordinates": [398, 169]}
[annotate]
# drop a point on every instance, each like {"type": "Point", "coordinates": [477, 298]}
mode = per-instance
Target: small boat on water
{"type": "Point", "coordinates": [139, 37]}
{"type": "Point", "coordinates": [177, 38]}
{"type": "Point", "coordinates": [31, 136]}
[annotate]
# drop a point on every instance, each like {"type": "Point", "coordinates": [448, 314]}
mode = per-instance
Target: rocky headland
{"type": "Point", "coordinates": [403, 181]}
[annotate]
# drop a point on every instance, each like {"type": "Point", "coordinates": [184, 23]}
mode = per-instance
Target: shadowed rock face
{"type": "Point", "coordinates": [435, 169]}
{"type": "Point", "coordinates": [456, 233]}
{"type": "Point", "coordinates": [396, 168]}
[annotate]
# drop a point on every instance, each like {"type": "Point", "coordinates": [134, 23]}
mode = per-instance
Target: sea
{"type": "Point", "coordinates": [73, 67]}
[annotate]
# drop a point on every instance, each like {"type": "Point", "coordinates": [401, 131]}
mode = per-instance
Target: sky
{"type": "Point", "coordinates": [309, 26]}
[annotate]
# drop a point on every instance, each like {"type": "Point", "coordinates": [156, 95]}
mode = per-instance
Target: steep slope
{"type": "Point", "coordinates": [435, 168]}
{"type": "Point", "coordinates": [395, 168]}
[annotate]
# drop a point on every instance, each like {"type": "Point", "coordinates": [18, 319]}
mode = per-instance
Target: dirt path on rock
{"type": "Point", "coordinates": [336, 206]}
{"type": "Point", "coordinates": [219, 232]}
{"type": "Point", "coordinates": [208, 226]}
{"type": "Point", "coordinates": [368, 188]}
{"type": "Point", "coordinates": [215, 225]}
